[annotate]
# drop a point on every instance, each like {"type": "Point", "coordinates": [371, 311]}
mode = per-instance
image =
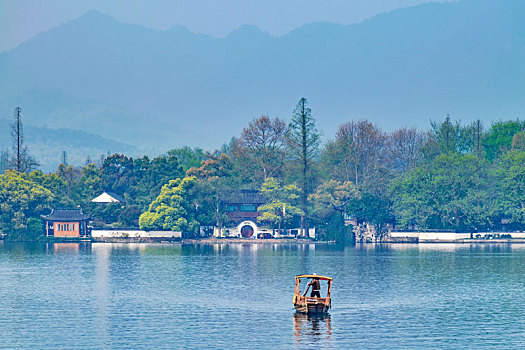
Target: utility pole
{"type": "Point", "coordinates": [478, 136]}
{"type": "Point", "coordinates": [447, 132]}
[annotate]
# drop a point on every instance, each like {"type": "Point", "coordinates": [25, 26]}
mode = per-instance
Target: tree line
{"type": "Point", "coordinates": [452, 176]}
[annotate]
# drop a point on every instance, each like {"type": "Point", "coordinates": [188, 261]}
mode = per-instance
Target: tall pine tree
{"type": "Point", "coordinates": [303, 139]}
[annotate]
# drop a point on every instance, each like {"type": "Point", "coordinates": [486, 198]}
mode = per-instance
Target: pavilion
{"type": "Point", "coordinates": [66, 223]}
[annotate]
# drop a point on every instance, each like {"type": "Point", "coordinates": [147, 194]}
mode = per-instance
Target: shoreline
{"type": "Point", "coordinates": [454, 241]}
{"type": "Point", "coordinates": [255, 241]}
{"type": "Point", "coordinates": [211, 241]}
{"type": "Point", "coordinates": [267, 241]}
{"type": "Point", "coordinates": [208, 240]}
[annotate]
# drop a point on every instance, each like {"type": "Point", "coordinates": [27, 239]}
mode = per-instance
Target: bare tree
{"type": "Point", "coordinates": [357, 153]}
{"type": "Point", "coordinates": [21, 160]}
{"type": "Point", "coordinates": [406, 148]}
{"type": "Point", "coordinates": [264, 141]}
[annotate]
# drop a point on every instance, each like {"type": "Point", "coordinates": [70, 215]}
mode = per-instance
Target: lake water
{"type": "Point", "coordinates": [239, 296]}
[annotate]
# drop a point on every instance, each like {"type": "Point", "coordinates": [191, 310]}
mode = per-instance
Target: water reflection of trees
{"type": "Point", "coordinates": [312, 329]}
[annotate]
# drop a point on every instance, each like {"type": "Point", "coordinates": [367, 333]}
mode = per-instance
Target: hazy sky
{"type": "Point", "coordinates": [22, 19]}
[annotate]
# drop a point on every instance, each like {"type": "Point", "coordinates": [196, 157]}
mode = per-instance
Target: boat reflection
{"type": "Point", "coordinates": [311, 328]}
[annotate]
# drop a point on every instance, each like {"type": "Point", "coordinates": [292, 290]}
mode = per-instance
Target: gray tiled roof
{"type": "Point", "coordinates": [66, 215]}
{"type": "Point", "coordinates": [117, 196]}
{"type": "Point", "coordinates": [244, 197]}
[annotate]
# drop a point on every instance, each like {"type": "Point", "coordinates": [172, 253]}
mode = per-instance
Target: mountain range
{"type": "Point", "coordinates": [156, 90]}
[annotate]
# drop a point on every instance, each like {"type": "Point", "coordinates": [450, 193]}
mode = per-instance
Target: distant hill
{"type": "Point", "coordinates": [163, 89]}
{"type": "Point", "coordinates": [47, 145]}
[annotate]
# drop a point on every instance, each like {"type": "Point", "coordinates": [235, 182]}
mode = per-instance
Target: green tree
{"type": "Point", "coordinates": [281, 206]}
{"type": "Point", "coordinates": [87, 187]}
{"type": "Point", "coordinates": [337, 231]}
{"type": "Point", "coordinates": [188, 157]}
{"type": "Point", "coordinates": [129, 216]}
{"type": "Point", "coordinates": [216, 177]}
{"type": "Point", "coordinates": [498, 139]}
{"type": "Point", "coordinates": [329, 202]}
{"type": "Point", "coordinates": [510, 172]}
{"type": "Point", "coordinates": [150, 176]}
{"type": "Point", "coordinates": [452, 137]}
{"type": "Point", "coordinates": [371, 209]}
{"type": "Point", "coordinates": [106, 214]}
{"type": "Point", "coordinates": [117, 173]}
{"type": "Point", "coordinates": [303, 140]}
{"type": "Point", "coordinates": [451, 192]}
{"type": "Point", "coordinates": [173, 209]}
{"type": "Point", "coordinates": [331, 197]}
{"type": "Point", "coordinates": [55, 184]}
{"type": "Point", "coordinates": [21, 200]}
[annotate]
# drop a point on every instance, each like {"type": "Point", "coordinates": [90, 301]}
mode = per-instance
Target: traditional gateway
{"type": "Point", "coordinates": [312, 304]}
{"type": "Point", "coordinates": [242, 211]}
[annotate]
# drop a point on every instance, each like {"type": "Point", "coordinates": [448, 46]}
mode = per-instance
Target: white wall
{"type": "Point", "coordinates": [442, 236]}
{"type": "Point", "coordinates": [431, 236]}
{"type": "Point", "coordinates": [404, 234]}
{"type": "Point", "coordinates": [135, 234]}
{"type": "Point", "coordinates": [236, 231]}
{"type": "Point", "coordinates": [515, 234]}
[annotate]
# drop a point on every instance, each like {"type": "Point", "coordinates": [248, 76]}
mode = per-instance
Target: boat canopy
{"type": "Point", "coordinates": [314, 276]}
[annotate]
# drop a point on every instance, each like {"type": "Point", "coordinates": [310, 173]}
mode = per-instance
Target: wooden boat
{"type": "Point", "coordinates": [312, 305]}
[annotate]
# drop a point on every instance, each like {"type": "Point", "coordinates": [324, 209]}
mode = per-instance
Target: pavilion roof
{"type": "Point", "coordinates": [66, 215]}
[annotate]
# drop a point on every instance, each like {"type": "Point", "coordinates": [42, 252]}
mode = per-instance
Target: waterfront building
{"type": "Point", "coordinates": [243, 205]}
{"type": "Point", "coordinates": [242, 209]}
{"type": "Point", "coordinates": [66, 223]}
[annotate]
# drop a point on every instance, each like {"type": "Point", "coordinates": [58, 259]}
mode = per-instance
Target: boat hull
{"type": "Point", "coordinates": [312, 308]}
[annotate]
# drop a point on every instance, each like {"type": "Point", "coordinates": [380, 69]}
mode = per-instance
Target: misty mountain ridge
{"type": "Point", "coordinates": [158, 89]}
